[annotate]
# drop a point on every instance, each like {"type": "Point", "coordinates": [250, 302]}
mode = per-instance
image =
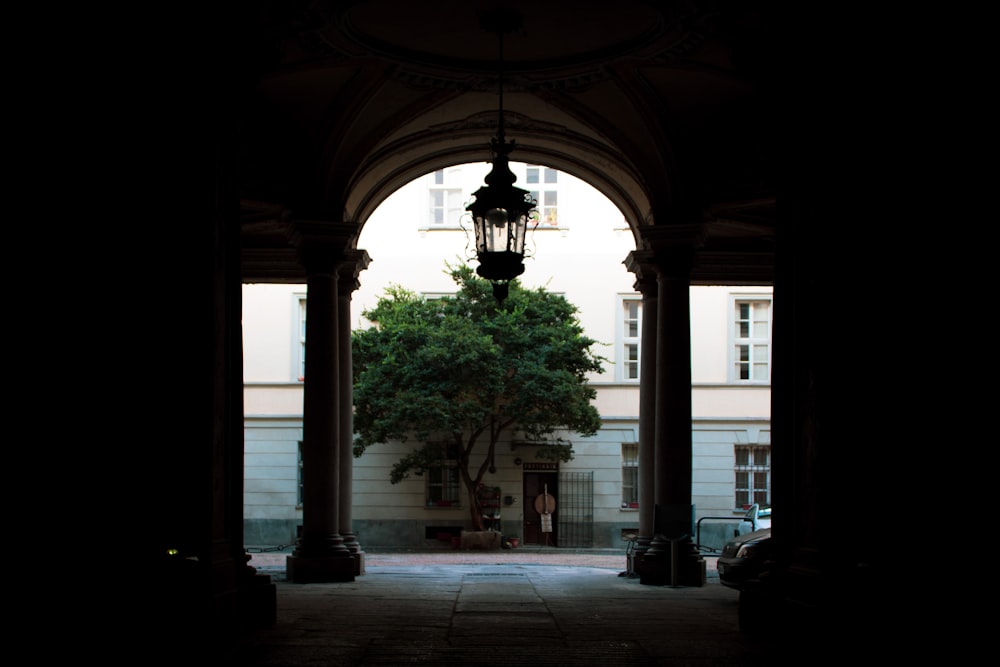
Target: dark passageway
{"type": "Point", "coordinates": [283, 126]}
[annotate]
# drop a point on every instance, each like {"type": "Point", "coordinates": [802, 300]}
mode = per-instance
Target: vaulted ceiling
{"type": "Point", "coordinates": [666, 108]}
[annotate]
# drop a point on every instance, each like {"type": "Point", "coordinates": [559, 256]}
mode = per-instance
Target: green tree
{"type": "Point", "coordinates": [462, 371]}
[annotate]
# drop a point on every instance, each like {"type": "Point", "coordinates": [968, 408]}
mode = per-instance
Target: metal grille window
{"type": "Point", "coordinates": [752, 335]}
{"type": "Point", "coordinates": [631, 332]}
{"type": "Point", "coordinates": [630, 474]}
{"type": "Point", "coordinates": [753, 475]}
{"type": "Point", "coordinates": [443, 482]}
{"type": "Point", "coordinates": [575, 512]}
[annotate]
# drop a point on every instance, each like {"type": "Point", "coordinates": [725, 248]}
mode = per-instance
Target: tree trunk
{"type": "Point", "coordinates": [475, 508]}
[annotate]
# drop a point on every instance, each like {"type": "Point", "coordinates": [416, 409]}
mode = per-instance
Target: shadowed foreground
{"type": "Point", "coordinates": [501, 614]}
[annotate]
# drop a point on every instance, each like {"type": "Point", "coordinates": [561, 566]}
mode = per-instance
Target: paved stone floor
{"type": "Point", "coordinates": [513, 607]}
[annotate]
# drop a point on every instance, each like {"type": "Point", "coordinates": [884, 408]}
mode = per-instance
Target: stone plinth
{"type": "Point", "coordinates": [486, 540]}
{"type": "Point", "coordinates": [657, 569]}
{"type": "Point", "coordinates": [321, 569]}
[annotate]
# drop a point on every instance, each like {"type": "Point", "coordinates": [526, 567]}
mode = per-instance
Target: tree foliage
{"type": "Point", "coordinates": [463, 371]}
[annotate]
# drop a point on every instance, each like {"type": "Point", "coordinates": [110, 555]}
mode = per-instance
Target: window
{"type": "Point", "coordinates": [442, 481]}
{"type": "Point", "coordinates": [630, 336]}
{"type": "Point", "coordinates": [533, 172]}
{"type": "Point", "coordinates": [547, 203]}
{"type": "Point", "coordinates": [548, 199]}
{"type": "Point", "coordinates": [299, 497]}
{"type": "Point", "coordinates": [630, 475]}
{"type": "Point", "coordinates": [446, 203]}
{"type": "Point", "coordinates": [302, 339]}
{"type": "Point", "coordinates": [753, 475]}
{"type": "Point", "coordinates": [752, 337]}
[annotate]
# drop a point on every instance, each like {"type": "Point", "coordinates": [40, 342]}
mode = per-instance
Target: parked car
{"type": "Point", "coordinates": [756, 518]}
{"type": "Point", "coordinates": [743, 558]}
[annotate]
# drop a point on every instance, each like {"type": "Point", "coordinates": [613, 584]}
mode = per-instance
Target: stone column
{"type": "Point", "coordinates": [672, 557]}
{"type": "Point", "coordinates": [638, 262]}
{"type": "Point", "coordinates": [321, 555]}
{"type": "Point", "coordinates": [357, 261]}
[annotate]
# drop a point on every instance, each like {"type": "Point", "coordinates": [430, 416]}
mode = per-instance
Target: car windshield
{"type": "Point", "coordinates": [756, 511]}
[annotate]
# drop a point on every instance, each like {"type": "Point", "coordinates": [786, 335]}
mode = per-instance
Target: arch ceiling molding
{"type": "Point", "coordinates": [660, 106]}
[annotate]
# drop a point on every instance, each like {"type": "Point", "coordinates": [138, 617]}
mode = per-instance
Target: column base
{"type": "Point", "coordinates": [359, 563]}
{"type": "Point", "coordinates": [186, 615]}
{"type": "Point", "coordinates": [258, 602]}
{"type": "Point", "coordinates": [321, 569]}
{"type": "Point", "coordinates": [655, 569]}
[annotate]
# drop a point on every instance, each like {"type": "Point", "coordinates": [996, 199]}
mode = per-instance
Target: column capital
{"type": "Point", "coordinates": [643, 264]}
{"type": "Point", "coordinates": [322, 245]}
{"type": "Point", "coordinates": [677, 235]}
{"type": "Point", "coordinates": [672, 247]}
{"type": "Point", "coordinates": [355, 261]}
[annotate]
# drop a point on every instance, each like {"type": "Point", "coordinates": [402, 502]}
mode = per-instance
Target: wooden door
{"type": "Point", "coordinates": [535, 485]}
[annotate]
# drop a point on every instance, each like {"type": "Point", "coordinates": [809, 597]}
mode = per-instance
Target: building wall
{"type": "Point", "coordinates": [270, 327]}
{"type": "Point", "coordinates": [581, 259]}
{"type": "Point", "coordinates": [712, 464]}
{"type": "Point", "coordinates": [395, 516]}
{"type": "Point", "coordinates": [270, 480]}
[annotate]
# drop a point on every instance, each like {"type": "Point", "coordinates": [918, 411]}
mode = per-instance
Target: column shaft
{"type": "Point", "coordinates": [673, 394]}
{"type": "Point", "coordinates": [321, 555]}
{"type": "Point", "coordinates": [639, 263]}
{"type": "Point", "coordinates": [671, 557]}
{"type": "Point", "coordinates": [348, 284]}
{"type": "Point", "coordinates": [647, 418]}
{"type": "Point", "coordinates": [321, 420]}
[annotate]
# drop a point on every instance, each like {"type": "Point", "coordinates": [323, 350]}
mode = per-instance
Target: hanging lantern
{"type": "Point", "coordinates": [500, 211]}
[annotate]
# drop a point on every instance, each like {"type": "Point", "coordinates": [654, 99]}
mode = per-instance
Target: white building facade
{"type": "Point", "coordinates": [577, 250]}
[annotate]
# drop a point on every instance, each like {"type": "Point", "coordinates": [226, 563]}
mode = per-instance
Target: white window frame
{"type": "Point", "coordinates": [299, 333]}
{"type": "Point", "coordinates": [757, 344]}
{"type": "Point", "coordinates": [300, 492]}
{"type": "Point", "coordinates": [627, 342]}
{"type": "Point", "coordinates": [442, 182]}
{"type": "Point", "coordinates": [757, 468]}
{"type": "Point", "coordinates": [546, 180]}
{"type": "Point", "coordinates": [630, 475]}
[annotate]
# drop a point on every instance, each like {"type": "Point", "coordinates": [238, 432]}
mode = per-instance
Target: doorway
{"type": "Point", "coordinates": [541, 489]}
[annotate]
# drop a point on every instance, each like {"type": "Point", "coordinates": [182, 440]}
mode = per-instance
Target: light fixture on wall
{"type": "Point", "coordinates": [500, 211]}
